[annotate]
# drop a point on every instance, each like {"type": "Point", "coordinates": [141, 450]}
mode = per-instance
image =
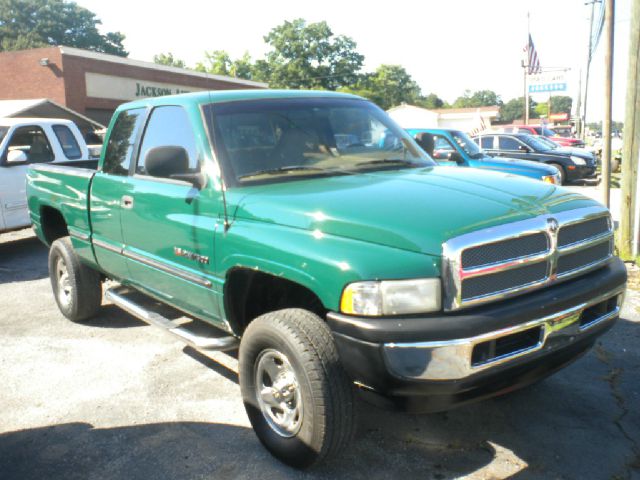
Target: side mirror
{"type": "Point", "coordinates": [15, 157]}
{"type": "Point", "coordinates": [524, 148]}
{"type": "Point", "coordinates": [456, 157]}
{"type": "Point", "coordinates": [172, 162]}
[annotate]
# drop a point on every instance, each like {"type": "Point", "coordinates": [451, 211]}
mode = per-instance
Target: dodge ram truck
{"type": "Point", "coordinates": [311, 233]}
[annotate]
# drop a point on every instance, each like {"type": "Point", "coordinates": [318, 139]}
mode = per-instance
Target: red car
{"type": "Point", "coordinates": [544, 131]}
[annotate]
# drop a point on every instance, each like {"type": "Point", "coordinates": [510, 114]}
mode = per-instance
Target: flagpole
{"type": "Point", "coordinates": [526, 89]}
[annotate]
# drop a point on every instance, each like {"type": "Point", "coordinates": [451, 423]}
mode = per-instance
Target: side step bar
{"type": "Point", "coordinates": [194, 340]}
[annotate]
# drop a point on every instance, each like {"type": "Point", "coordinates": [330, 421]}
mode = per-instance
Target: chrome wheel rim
{"type": "Point", "coordinates": [278, 393]}
{"type": "Point", "coordinates": [65, 290]}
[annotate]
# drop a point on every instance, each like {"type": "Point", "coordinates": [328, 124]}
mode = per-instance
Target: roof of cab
{"type": "Point", "coordinates": [219, 96]}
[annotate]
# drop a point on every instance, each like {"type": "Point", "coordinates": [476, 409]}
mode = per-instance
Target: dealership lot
{"type": "Point", "coordinates": [115, 398]}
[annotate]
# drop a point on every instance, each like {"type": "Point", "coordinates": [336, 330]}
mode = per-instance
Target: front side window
{"type": "Point", "coordinates": [117, 156]}
{"type": "Point", "coordinates": [271, 140]}
{"type": "Point", "coordinates": [67, 141]}
{"type": "Point", "coordinates": [508, 143]}
{"type": "Point", "coordinates": [465, 142]}
{"type": "Point", "coordinates": [442, 148]}
{"type": "Point", "coordinates": [168, 126]}
{"type": "Point", "coordinates": [33, 142]}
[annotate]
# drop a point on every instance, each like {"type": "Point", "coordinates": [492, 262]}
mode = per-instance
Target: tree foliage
{"type": "Point", "coordinates": [40, 23]}
{"type": "Point", "coordinates": [514, 110]}
{"type": "Point", "coordinates": [169, 60]}
{"type": "Point", "coordinates": [309, 56]}
{"type": "Point", "coordinates": [561, 104]}
{"type": "Point", "coordinates": [219, 62]}
{"type": "Point", "coordinates": [480, 98]}
{"type": "Point", "coordinates": [431, 102]}
{"type": "Point", "coordinates": [388, 86]}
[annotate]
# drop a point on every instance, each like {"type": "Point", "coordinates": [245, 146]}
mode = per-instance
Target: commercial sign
{"type": "Point", "coordinates": [122, 88]}
{"type": "Point", "coordinates": [547, 82]}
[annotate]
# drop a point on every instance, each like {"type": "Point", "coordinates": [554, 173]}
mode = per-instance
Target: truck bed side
{"type": "Point", "coordinates": [58, 199]}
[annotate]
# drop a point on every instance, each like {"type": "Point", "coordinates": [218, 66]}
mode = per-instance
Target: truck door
{"type": "Point", "coordinates": [169, 226]}
{"type": "Point", "coordinates": [110, 190]}
{"type": "Point", "coordinates": [33, 142]}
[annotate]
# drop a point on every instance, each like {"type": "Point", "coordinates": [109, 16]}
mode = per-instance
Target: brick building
{"type": "Point", "coordinates": [94, 84]}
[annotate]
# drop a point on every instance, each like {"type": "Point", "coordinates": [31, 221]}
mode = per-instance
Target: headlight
{"type": "Point", "coordinates": [578, 160]}
{"type": "Point", "coordinates": [391, 297]}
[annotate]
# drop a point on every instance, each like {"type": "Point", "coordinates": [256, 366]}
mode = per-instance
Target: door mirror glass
{"type": "Point", "coordinates": [524, 148]}
{"type": "Point", "coordinates": [15, 157]}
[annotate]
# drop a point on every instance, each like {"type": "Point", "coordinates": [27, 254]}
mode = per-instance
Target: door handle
{"type": "Point", "coordinates": [126, 201]}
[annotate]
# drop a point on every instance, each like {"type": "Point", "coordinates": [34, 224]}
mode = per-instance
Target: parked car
{"type": "Point", "coordinates": [573, 164]}
{"type": "Point", "coordinates": [543, 131]}
{"type": "Point", "coordinates": [320, 239]}
{"type": "Point", "coordinates": [454, 147]}
{"type": "Point", "coordinates": [25, 141]}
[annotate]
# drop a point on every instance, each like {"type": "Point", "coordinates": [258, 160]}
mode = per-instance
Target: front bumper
{"type": "Point", "coordinates": [450, 359]}
{"type": "Point", "coordinates": [579, 172]}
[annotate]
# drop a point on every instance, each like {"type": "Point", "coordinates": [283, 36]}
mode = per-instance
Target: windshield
{"type": "Point", "coordinates": [465, 142]}
{"type": "Point", "coordinates": [3, 132]}
{"type": "Point", "coordinates": [276, 139]}
{"type": "Point", "coordinates": [535, 142]}
{"type": "Point", "coordinates": [549, 143]}
{"type": "Point", "coordinates": [546, 132]}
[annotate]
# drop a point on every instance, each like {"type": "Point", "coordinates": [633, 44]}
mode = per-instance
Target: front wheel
{"type": "Point", "coordinates": [298, 397]}
{"type": "Point", "coordinates": [76, 287]}
{"type": "Point", "coordinates": [561, 170]}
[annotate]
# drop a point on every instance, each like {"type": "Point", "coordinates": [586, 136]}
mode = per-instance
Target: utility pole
{"type": "Point", "coordinates": [586, 78]}
{"type": "Point", "coordinates": [608, 91]}
{"type": "Point", "coordinates": [631, 149]}
{"type": "Point", "coordinates": [526, 72]}
{"type": "Point", "coordinates": [579, 124]}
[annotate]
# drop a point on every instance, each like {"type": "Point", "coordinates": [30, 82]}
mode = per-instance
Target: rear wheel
{"type": "Point", "coordinates": [298, 398]}
{"type": "Point", "coordinates": [561, 170]}
{"type": "Point", "coordinates": [76, 287]}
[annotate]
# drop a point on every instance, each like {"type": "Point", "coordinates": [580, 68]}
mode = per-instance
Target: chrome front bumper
{"type": "Point", "coordinates": [461, 358]}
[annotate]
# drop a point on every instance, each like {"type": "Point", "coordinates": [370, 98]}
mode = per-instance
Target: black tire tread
{"type": "Point", "coordinates": [87, 281]}
{"type": "Point", "coordinates": [317, 347]}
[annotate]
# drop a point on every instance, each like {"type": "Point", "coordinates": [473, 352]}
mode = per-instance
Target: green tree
{"type": "Point", "coordinates": [561, 104]}
{"type": "Point", "coordinates": [514, 110]}
{"type": "Point", "coordinates": [390, 85]}
{"type": "Point", "coordinates": [169, 60]}
{"type": "Point", "coordinates": [309, 56]}
{"type": "Point", "coordinates": [40, 23]}
{"type": "Point", "coordinates": [217, 62]}
{"type": "Point", "coordinates": [431, 101]}
{"type": "Point", "coordinates": [480, 98]}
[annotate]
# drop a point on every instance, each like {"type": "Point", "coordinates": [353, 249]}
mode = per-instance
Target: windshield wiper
{"type": "Point", "coordinates": [389, 161]}
{"type": "Point", "coordinates": [286, 168]}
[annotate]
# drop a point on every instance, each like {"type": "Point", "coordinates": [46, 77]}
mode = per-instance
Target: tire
{"type": "Point", "coordinates": [561, 170]}
{"type": "Point", "coordinates": [76, 287]}
{"type": "Point", "coordinates": [296, 347]}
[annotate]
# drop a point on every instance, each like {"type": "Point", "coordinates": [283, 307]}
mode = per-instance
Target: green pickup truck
{"type": "Point", "coordinates": [311, 232]}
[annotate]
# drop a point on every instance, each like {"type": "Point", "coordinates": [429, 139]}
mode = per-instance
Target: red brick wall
{"type": "Point", "coordinates": [22, 76]}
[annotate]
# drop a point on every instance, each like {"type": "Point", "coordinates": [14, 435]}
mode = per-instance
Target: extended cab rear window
{"type": "Point", "coordinates": [68, 142]}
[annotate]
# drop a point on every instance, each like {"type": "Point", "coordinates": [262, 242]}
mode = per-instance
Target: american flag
{"type": "Point", "coordinates": [533, 62]}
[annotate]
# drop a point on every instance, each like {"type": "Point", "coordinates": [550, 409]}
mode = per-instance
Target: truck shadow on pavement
{"type": "Point", "coordinates": [23, 260]}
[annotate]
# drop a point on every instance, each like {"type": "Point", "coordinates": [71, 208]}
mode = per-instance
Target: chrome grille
{"type": "Point", "coordinates": [515, 258]}
{"type": "Point", "coordinates": [572, 261]}
{"type": "Point", "coordinates": [511, 248]}
{"type": "Point", "coordinates": [583, 230]}
{"type": "Point", "coordinates": [504, 280]}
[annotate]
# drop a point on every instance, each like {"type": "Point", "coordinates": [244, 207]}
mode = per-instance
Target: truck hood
{"type": "Point", "coordinates": [517, 166]}
{"type": "Point", "coordinates": [409, 209]}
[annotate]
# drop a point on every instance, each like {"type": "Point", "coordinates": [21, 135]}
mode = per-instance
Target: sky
{"type": "Point", "coordinates": [447, 46]}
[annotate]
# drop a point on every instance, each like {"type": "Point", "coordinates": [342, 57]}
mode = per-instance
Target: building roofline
{"type": "Point", "coordinates": [105, 57]}
{"type": "Point", "coordinates": [39, 101]}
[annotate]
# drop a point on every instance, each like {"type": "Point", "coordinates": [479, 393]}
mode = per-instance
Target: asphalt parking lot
{"type": "Point", "coordinates": [114, 398]}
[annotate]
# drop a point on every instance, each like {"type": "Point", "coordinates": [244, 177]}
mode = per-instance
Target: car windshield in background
{"type": "Point", "coordinates": [269, 140]}
{"type": "Point", "coordinates": [3, 132]}
{"type": "Point", "coordinates": [465, 142]}
{"type": "Point", "coordinates": [550, 143]}
{"type": "Point", "coordinates": [547, 133]}
{"type": "Point", "coordinates": [534, 142]}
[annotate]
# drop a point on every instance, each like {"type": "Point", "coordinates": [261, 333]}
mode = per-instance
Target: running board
{"type": "Point", "coordinates": [192, 339]}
